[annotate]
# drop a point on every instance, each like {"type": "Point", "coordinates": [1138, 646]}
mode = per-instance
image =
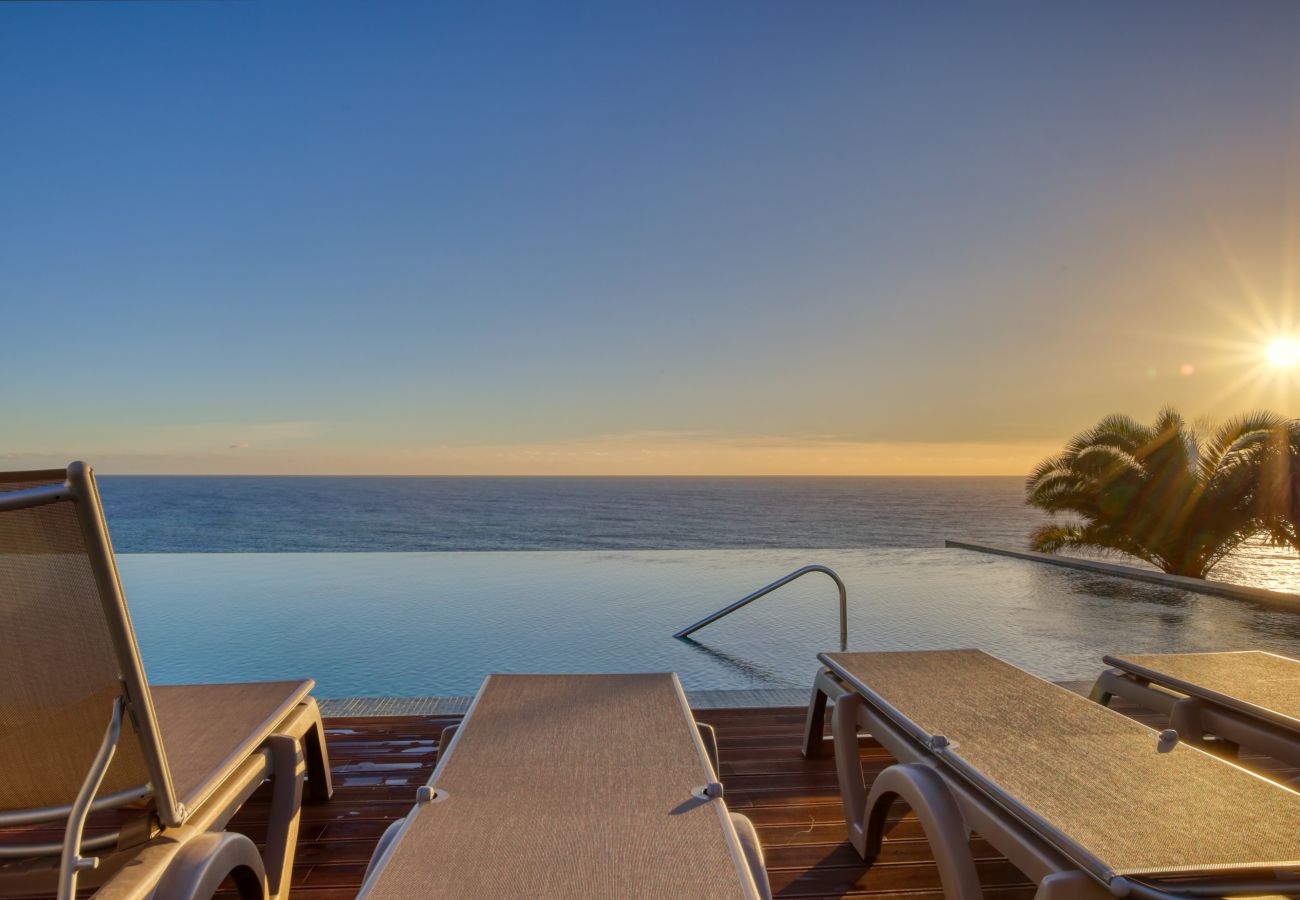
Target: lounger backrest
{"type": "Point", "coordinates": [67, 650]}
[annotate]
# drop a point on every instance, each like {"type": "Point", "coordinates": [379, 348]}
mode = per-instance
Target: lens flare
{"type": "Point", "coordinates": [1284, 353]}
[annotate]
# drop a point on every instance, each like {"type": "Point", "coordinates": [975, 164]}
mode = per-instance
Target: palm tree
{"type": "Point", "coordinates": [1166, 495]}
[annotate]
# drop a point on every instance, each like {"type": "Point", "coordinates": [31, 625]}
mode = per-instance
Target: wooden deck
{"type": "Point", "coordinates": [794, 802]}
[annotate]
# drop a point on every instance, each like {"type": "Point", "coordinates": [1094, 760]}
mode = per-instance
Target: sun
{"type": "Point", "coordinates": [1284, 353]}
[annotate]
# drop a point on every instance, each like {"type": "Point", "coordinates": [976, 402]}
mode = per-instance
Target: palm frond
{"type": "Point", "coordinates": [1231, 432]}
{"type": "Point", "coordinates": [1164, 494]}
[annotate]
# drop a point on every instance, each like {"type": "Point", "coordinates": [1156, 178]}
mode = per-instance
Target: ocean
{"type": "Point", "coordinates": [150, 514]}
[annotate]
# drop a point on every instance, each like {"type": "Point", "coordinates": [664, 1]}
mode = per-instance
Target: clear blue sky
{"type": "Point", "coordinates": [610, 237]}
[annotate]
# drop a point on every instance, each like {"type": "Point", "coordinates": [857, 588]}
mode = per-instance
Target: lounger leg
{"type": "Point", "coordinates": [921, 788]}
{"type": "Point", "coordinates": [814, 740]}
{"type": "Point", "coordinates": [710, 738]}
{"type": "Point", "coordinates": [288, 767]}
{"type": "Point", "coordinates": [320, 785]}
{"type": "Point", "coordinates": [814, 726]}
{"type": "Point", "coordinates": [1071, 886]}
{"type": "Point", "coordinates": [753, 850]}
{"type": "Point", "coordinates": [444, 741]}
{"type": "Point", "coordinates": [389, 835]}
{"type": "Point", "coordinates": [848, 766]}
{"type": "Point", "coordinates": [1114, 683]}
{"type": "Point", "coordinates": [1185, 718]}
{"type": "Point", "coordinates": [1101, 692]}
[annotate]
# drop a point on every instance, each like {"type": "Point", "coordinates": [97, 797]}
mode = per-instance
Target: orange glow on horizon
{"type": "Point", "coordinates": [611, 456]}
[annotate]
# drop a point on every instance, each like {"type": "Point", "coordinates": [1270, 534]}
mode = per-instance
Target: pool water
{"type": "Point", "coordinates": [416, 624]}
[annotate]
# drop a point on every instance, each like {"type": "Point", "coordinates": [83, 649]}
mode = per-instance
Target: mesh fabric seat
{"type": "Point", "coordinates": [208, 728]}
{"type": "Point", "coordinates": [577, 786]}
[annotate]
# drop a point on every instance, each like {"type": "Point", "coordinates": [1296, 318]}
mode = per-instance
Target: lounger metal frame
{"type": "Point", "coordinates": [951, 799]}
{"type": "Point", "coordinates": [282, 755]}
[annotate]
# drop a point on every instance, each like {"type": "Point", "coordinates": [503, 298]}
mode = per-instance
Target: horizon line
{"type": "Point", "coordinates": [523, 475]}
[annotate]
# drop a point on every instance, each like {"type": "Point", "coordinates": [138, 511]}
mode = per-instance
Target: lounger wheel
{"type": "Point", "coordinates": [205, 862]}
{"type": "Point", "coordinates": [921, 788]}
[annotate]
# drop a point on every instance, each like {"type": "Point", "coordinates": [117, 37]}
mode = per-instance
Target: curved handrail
{"type": "Point", "coordinates": [780, 582]}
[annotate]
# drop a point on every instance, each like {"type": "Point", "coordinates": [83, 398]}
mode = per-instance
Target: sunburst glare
{"type": "Point", "coordinates": [1283, 353]}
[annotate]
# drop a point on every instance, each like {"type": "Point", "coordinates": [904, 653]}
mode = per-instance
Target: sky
{"type": "Point", "coordinates": [858, 238]}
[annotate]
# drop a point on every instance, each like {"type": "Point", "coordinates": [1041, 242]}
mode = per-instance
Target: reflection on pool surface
{"type": "Point", "coordinates": [418, 624]}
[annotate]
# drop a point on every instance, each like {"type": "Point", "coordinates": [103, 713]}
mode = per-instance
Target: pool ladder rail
{"type": "Point", "coordinates": [781, 582]}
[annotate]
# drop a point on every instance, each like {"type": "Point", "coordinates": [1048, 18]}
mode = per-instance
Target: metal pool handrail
{"type": "Point", "coordinates": [798, 573]}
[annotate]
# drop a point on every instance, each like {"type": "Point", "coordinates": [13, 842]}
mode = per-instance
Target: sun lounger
{"type": "Point", "coordinates": [571, 786]}
{"type": "Point", "coordinates": [1083, 800]}
{"type": "Point", "coordinates": [1244, 699]}
{"type": "Point", "coordinates": [83, 733]}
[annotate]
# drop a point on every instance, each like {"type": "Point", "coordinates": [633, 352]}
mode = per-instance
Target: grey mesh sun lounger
{"type": "Point", "coordinates": [1249, 699]}
{"type": "Point", "coordinates": [1081, 799]}
{"type": "Point", "coordinates": [572, 786]}
{"type": "Point", "coordinates": [83, 733]}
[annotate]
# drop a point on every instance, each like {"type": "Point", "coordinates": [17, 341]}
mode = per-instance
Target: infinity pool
{"type": "Point", "coordinates": [416, 624]}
